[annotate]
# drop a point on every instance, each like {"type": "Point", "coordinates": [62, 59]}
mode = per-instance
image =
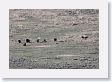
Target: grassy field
{"type": "Point", "coordinates": [70, 51]}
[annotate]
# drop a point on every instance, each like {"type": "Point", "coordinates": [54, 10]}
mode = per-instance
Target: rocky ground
{"type": "Point", "coordinates": [76, 30]}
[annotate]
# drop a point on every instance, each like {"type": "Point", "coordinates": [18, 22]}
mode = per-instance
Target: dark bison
{"type": "Point", "coordinates": [19, 41]}
{"type": "Point", "coordinates": [38, 39]}
{"type": "Point", "coordinates": [55, 39]}
{"type": "Point", "coordinates": [84, 37]}
{"type": "Point", "coordinates": [28, 41]}
{"type": "Point", "coordinates": [24, 44]}
{"type": "Point", "coordinates": [44, 40]}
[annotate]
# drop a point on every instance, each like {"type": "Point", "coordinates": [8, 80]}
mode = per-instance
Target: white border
{"type": "Point", "coordinates": [102, 5]}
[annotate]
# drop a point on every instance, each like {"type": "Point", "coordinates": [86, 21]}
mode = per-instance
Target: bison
{"type": "Point", "coordinates": [84, 37]}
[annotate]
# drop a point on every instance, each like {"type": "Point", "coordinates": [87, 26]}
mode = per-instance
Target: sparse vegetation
{"type": "Point", "coordinates": [54, 39]}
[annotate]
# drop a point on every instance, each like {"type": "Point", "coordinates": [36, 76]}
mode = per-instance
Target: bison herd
{"type": "Point", "coordinates": [44, 40]}
{"type": "Point", "coordinates": [38, 41]}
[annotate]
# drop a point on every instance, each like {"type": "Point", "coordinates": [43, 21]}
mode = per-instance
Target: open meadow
{"type": "Point", "coordinates": [53, 39]}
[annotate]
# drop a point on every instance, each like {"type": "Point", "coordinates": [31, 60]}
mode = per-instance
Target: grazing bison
{"type": "Point", "coordinates": [24, 44]}
{"type": "Point", "coordinates": [84, 37]}
{"type": "Point", "coordinates": [38, 39]}
{"type": "Point", "coordinates": [19, 41]}
{"type": "Point", "coordinates": [44, 40]}
{"type": "Point", "coordinates": [55, 39]}
{"type": "Point", "coordinates": [28, 41]}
